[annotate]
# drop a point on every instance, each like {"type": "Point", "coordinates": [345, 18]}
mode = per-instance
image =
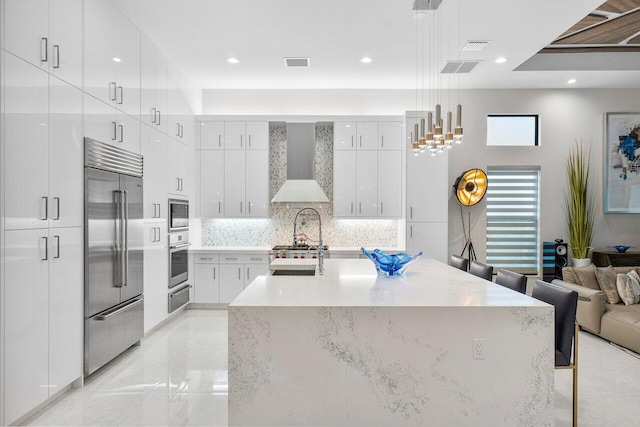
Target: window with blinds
{"type": "Point", "coordinates": [512, 219]}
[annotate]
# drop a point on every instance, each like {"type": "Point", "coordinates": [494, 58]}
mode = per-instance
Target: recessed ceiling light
{"type": "Point", "coordinates": [116, 59]}
{"type": "Point", "coordinates": [571, 81]}
{"type": "Point", "coordinates": [501, 60]}
{"type": "Point", "coordinates": [233, 60]}
{"type": "Point", "coordinates": [366, 60]}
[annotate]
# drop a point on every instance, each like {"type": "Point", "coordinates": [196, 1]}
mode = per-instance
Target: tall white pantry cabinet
{"type": "Point", "coordinates": [48, 105]}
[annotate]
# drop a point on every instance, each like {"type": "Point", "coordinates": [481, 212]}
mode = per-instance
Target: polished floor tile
{"type": "Point", "coordinates": [178, 377]}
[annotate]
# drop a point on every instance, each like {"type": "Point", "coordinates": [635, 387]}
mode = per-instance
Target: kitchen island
{"type": "Point", "coordinates": [435, 347]}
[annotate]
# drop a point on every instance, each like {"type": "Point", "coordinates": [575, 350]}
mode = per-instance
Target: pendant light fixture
{"type": "Point", "coordinates": [431, 133]}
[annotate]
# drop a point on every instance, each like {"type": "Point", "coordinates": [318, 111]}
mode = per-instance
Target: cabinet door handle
{"type": "Point", "coordinates": [159, 118]}
{"type": "Point", "coordinates": [360, 207]}
{"type": "Point", "coordinates": [411, 212]}
{"type": "Point", "coordinates": [115, 132]}
{"type": "Point", "coordinates": [219, 140]}
{"type": "Point", "coordinates": [152, 234]}
{"type": "Point", "coordinates": [57, 200]}
{"type": "Point", "coordinates": [177, 129]}
{"type": "Point", "coordinates": [46, 248]}
{"type": "Point", "coordinates": [153, 215]}
{"type": "Point", "coordinates": [249, 206]}
{"type": "Point", "coordinates": [351, 141]}
{"type": "Point", "coordinates": [352, 207]}
{"type": "Point", "coordinates": [155, 209]}
{"type": "Point", "coordinates": [112, 85]}
{"type": "Point", "coordinates": [157, 236]}
{"type": "Point", "coordinates": [411, 231]}
{"type": "Point", "coordinates": [360, 141]}
{"type": "Point", "coordinates": [248, 275]}
{"type": "Point", "coordinates": [240, 207]}
{"type": "Point", "coordinates": [381, 208]}
{"type": "Point", "coordinates": [121, 126]}
{"type": "Point", "coordinates": [240, 140]}
{"type": "Point", "coordinates": [45, 207]}
{"type": "Point", "coordinates": [56, 56]}
{"type": "Point", "coordinates": [121, 91]}
{"type": "Point", "coordinates": [57, 255]}
{"type": "Point", "coordinates": [219, 207]}
{"type": "Point", "coordinates": [214, 273]}
{"type": "Point", "coordinates": [177, 184]}
{"type": "Point", "coordinates": [154, 113]}
{"type": "Point", "coordinates": [249, 140]}
{"type": "Point", "coordinates": [181, 131]}
{"type": "Point", "coordinates": [44, 49]}
{"type": "Point", "coordinates": [239, 273]}
{"type": "Point", "coordinates": [382, 141]}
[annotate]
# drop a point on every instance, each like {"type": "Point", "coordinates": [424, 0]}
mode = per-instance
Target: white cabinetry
{"type": "Point", "coordinates": [106, 124]}
{"type": "Point", "coordinates": [211, 136]}
{"type": "Point", "coordinates": [246, 135]}
{"type": "Point", "coordinates": [367, 135]}
{"type": "Point", "coordinates": [179, 169]}
{"type": "Point", "coordinates": [212, 183]}
{"type": "Point", "coordinates": [221, 278]}
{"type": "Point", "coordinates": [428, 192]}
{"type": "Point", "coordinates": [390, 135]}
{"type": "Point", "coordinates": [43, 133]}
{"type": "Point", "coordinates": [111, 57]}
{"type": "Point", "coordinates": [156, 266]}
{"type": "Point", "coordinates": [43, 321]}
{"type": "Point", "coordinates": [48, 34]}
{"type": "Point", "coordinates": [367, 183]}
{"type": "Point", "coordinates": [157, 157]}
{"type": "Point", "coordinates": [234, 169]}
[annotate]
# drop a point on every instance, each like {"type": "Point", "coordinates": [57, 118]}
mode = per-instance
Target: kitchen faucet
{"type": "Point", "coordinates": [320, 244]}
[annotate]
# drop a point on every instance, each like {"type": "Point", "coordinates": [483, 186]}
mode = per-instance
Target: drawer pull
{"type": "Point", "coordinates": [257, 259]}
{"type": "Point", "coordinates": [231, 259]}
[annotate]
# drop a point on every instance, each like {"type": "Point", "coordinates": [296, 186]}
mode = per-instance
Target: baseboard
{"type": "Point", "coordinates": [43, 405]}
{"type": "Point", "coordinates": [207, 306]}
{"type": "Point", "coordinates": [169, 319]}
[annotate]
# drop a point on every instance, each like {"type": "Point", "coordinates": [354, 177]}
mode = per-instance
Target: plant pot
{"type": "Point", "coordinates": [580, 262]}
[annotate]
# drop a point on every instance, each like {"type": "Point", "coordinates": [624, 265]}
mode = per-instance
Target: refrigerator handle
{"type": "Point", "coordinates": [119, 239]}
{"type": "Point", "coordinates": [125, 240]}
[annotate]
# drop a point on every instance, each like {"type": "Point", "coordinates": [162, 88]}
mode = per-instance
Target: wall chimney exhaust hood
{"type": "Point", "coordinates": [300, 189]}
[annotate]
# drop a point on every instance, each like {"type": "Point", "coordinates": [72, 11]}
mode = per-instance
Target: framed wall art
{"type": "Point", "coordinates": [622, 163]}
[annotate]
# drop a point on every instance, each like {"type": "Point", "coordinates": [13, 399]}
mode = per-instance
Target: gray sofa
{"type": "Point", "coordinates": [615, 322]}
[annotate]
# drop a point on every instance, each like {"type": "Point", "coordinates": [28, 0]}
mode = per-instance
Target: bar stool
{"type": "Point", "coordinates": [459, 262]}
{"type": "Point", "coordinates": [512, 280]}
{"type": "Point", "coordinates": [481, 270]}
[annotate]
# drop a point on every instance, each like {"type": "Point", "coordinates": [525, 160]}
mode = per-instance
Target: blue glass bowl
{"type": "Point", "coordinates": [390, 264]}
{"type": "Point", "coordinates": [621, 248]}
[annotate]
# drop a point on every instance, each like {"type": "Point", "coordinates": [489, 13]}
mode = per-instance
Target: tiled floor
{"type": "Point", "coordinates": [178, 376]}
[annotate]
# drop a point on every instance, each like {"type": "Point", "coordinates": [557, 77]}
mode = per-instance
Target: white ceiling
{"type": "Point", "coordinates": [200, 34]}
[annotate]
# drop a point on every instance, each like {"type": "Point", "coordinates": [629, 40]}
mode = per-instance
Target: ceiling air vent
{"type": "Point", "coordinates": [296, 62]}
{"type": "Point", "coordinates": [459, 67]}
{"type": "Point", "coordinates": [426, 4]}
{"type": "Point", "coordinates": [475, 46]}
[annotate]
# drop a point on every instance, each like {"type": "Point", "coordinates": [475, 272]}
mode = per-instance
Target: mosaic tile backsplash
{"type": "Point", "coordinates": [278, 228]}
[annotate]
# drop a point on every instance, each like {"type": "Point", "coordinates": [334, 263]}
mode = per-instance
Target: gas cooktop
{"type": "Point", "coordinates": [297, 248]}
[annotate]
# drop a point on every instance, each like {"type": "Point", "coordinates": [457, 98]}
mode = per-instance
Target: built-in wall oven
{"type": "Point", "coordinates": [178, 254]}
{"type": "Point", "coordinates": [178, 215]}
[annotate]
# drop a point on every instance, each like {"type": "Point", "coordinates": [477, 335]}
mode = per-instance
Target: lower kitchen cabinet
{"type": "Point", "coordinates": [221, 278]}
{"type": "Point", "coordinates": [430, 238]}
{"type": "Point", "coordinates": [156, 280]}
{"type": "Point", "coordinates": [43, 338]}
{"type": "Point", "coordinates": [207, 283]}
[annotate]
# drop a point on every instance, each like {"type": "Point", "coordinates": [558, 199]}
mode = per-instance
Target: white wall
{"type": "Point", "coordinates": [565, 115]}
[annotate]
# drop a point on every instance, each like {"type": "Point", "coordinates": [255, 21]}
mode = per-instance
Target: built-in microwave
{"type": "Point", "coordinates": [178, 215]}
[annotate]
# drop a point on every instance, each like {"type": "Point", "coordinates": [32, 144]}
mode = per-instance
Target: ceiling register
{"type": "Point", "coordinates": [430, 133]}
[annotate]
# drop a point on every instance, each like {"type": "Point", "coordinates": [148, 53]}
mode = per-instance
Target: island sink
{"type": "Point", "coordinates": [293, 272]}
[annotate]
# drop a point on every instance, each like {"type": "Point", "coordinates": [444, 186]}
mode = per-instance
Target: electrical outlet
{"type": "Point", "coordinates": [478, 349]}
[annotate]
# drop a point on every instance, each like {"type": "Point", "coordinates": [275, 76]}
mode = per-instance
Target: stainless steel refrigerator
{"type": "Point", "coordinates": [114, 304]}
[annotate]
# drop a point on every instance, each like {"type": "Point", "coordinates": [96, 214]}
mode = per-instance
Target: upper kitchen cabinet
{"type": "Point", "coordinates": [367, 138]}
{"type": "Point", "coordinates": [390, 135]}
{"type": "Point", "coordinates": [42, 132]}
{"type": "Point", "coordinates": [156, 149]}
{"type": "Point", "coordinates": [111, 57]}
{"type": "Point", "coordinates": [246, 183]}
{"type": "Point", "coordinates": [48, 34]}
{"type": "Point", "coordinates": [186, 118]}
{"type": "Point", "coordinates": [212, 135]}
{"type": "Point", "coordinates": [246, 135]}
{"type": "Point", "coordinates": [154, 96]}
{"type": "Point", "coordinates": [344, 136]}
{"type": "Point", "coordinates": [104, 123]}
{"type": "Point", "coordinates": [356, 136]}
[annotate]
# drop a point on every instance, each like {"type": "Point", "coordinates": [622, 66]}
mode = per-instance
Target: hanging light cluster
{"type": "Point", "coordinates": [432, 138]}
{"type": "Point", "coordinates": [429, 135]}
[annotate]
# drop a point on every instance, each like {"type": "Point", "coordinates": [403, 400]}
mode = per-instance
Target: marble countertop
{"type": "Point", "coordinates": [354, 283]}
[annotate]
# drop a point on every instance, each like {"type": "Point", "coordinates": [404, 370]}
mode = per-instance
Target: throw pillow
{"type": "Point", "coordinates": [628, 288]}
{"type": "Point", "coordinates": [587, 276]}
{"type": "Point", "coordinates": [569, 276]}
{"type": "Point", "coordinates": [634, 275]}
{"type": "Point", "coordinates": [607, 278]}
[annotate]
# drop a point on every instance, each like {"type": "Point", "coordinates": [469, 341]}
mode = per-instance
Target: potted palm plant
{"type": "Point", "coordinates": [579, 205]}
